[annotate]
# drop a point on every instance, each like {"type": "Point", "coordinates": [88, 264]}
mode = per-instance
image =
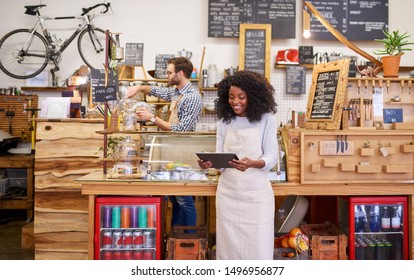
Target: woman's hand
{"type": "Point", "coordinates": [245, 163]}
{"type": "Point", "coordinates": [204, 164]}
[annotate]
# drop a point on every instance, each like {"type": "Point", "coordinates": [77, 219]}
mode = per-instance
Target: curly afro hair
{"type": "Point", "coordinates": [260, 96]}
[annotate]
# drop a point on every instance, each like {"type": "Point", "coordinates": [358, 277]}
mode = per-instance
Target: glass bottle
{"type": "Point", "coordinates": [385, 220]}
{"type": "Point", "coordinates": [212, 75]}
{"type": "Point", "coordinates": [360, 218]}
{"type": "Point", "coordinates": [374, 219]}
{"type": "Point", "coordinates": [205, 78]}
{"type": "Point", "coordinates": [396, 219]}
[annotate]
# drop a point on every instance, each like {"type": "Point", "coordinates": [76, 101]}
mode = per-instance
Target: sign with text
{"type": "Point", "coordinates": [356, 20]}
{"type": "Point", "coordinates": [99, 81]}
{"type": "Point", "coordinates": [327, 94]}
{"type": "Point", "coordinates": [134, 54]}
{"type": "Point", "coordinates": [295, 79]}
{"type": "Point", "coordinates": [161, 62]}
{"type": "Point", "coordinates": [104, 94]}
{"type": "Point", "coordinates": [225, 17]}
{"type": "Point", "coordinates": [254, 45]}
{"type": "Point", "coordinates": [393, 115]}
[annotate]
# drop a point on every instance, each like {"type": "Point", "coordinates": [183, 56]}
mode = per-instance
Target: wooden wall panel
{"type": "Point", "coordinates": [67, 202]}
{"type": "Point", "coordinates": [65, 151]}
{"type": "Point", "coordinates": [60, 256]}
{"type": "Point", "coordinates": [68, 148]}
{"type": "Point", "coordinates": [60, 222]}
{"type": "Point", "coordinates": [59, 130]}
{"type": "Point", "coordinates": [67, 166]}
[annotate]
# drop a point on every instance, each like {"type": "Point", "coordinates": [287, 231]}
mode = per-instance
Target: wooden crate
{"type": "Point", "coordinates": [327, 242]}
{"type": "Point", "coordinates": [187, 246]}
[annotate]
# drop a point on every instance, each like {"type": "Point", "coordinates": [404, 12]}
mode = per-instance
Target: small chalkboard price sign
{"type": "Point", "coordinates": [134, 53]}
{"type": "Point", "coordinates": [97, 78]}
{"type": "Point", "coordinates": [104, 94]}
{"type": "Point", "coordinates": [254, 48]}
{"type": "Point", "coordinates": [161, 62]}
{"type": "Point", "coordinates": [327, 94]}
{"type": "Point", "coordinates": [393, 115]}
{"type": "Point", "coordinates": [295, 79]}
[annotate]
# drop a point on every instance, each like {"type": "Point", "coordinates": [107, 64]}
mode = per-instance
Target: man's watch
{"type": "Point", "coordinates": [152, 119]}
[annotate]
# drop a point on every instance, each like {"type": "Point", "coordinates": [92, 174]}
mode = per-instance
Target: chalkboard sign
{"type": "Point", "coordinates": [105, 94]}
{"type": "Point", "coordinates": [393, 115]}
{"type": "Point", "coordinates": [356, 20]}
{"type": "Point", "coordinates": [254, 44]}
{"type": "Point", "coordinates": [225, 17]}
{"type": "Point", "coordinates": [161, 62]}
{"type": "Point", "coordinates": [134, 53]}
{"type": "Point", "coordinates": [327, 94]}
{"type": "Point", "coordinates": [305, 54]}
{"type": "Point", "coordinates": [295, 79]}
{"type": "Point", "coordinates": [97, 78]}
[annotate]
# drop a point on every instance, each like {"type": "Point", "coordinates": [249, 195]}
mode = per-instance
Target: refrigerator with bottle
{"type": "Point", "coordinates": [377, 226]}
{"type": "Point", "coordinates": [128, 228]}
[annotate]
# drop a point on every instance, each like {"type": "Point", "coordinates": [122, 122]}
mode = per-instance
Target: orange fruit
{"type": "Point", "coordinates": [295, 231]}
{"type": "Point", "coordinates": [290, 255]}
{"type": "Point", "coordinates": [284, 242]}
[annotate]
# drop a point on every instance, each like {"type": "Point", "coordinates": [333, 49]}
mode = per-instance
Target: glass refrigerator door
{"type": "Point", "coordinates": [377, 228]}
{"type": "Point", "coordinates": [127, 228]}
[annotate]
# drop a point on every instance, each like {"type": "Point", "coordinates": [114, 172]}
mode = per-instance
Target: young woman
{"type": "Point", "coordinates": [245, 200]}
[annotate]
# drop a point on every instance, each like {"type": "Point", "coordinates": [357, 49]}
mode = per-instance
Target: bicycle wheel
{"type": "Point", "coordinates": [91, 46]}
{"type": "Point", "coordinates": [19, 63]}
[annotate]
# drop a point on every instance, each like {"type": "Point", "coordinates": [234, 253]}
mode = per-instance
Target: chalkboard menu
{"type": "Point", "coordinates": [295, 79]}
{"type": "Point", "coordinates": [161, 63]}
{"type": "Point", "coordinates": [101, 92]}
{"type": "Point", "coordinates": [327, 95]}
{"type": "Point", "coordinates": [255, 41]}
{"type": "Point", "coordinates": [225, 16]}
{"type": "Point", "coordinates": [324, 98]}
{"type": "Point", "coordinates": [134, 53]}
{"type": "Point", "coordinates": [305, 54]}
{"type": "Point", "coordinates": [356, 20]}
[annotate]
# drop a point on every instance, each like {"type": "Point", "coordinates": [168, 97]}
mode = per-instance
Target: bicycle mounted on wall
{"type": "Point", "coordinates": [25, 53]}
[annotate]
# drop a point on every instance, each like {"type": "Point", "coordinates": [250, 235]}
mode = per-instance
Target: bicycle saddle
{"type": "Point", "coordinates": [32, 10]}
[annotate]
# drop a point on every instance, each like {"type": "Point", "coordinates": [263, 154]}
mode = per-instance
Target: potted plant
{"type": "Point", "coordinates": [394, 45]}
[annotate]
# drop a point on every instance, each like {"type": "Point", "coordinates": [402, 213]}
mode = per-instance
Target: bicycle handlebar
{"type": "Point", "coordinates": [87, 10]}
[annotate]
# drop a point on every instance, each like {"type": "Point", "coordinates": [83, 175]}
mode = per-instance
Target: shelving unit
{"type": "Point", "coordinates": [24, 202]}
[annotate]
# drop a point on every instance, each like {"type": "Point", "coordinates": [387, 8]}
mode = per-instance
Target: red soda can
{"type": "Point", "coordinates": [127, 239]}
{"type": "Point", "coordinates": [127, 255]}
{"type": "Point", "coordinates": [117, 255]}
{"type": "Point", "coordinates": [148, 255]}
{"type": "Point", "coordinates": [106, 239]}
{"type": "Point", "coordinates": [138, 255]}
{"type": "Point", "coordinates": [107, 255]}
{"type": "Point", "coordinates": [117, 239]}
{"type": "Point", "coordinates": [137, 239]}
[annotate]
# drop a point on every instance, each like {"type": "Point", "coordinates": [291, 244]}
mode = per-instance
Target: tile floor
{"type": "Point", "coordinates": [11, 223]}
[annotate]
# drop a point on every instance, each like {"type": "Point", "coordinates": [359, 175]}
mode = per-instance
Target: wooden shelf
{"type": "Point", "coordinates": [44, 89]}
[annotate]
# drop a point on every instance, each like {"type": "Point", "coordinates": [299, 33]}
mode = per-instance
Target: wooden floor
{"type": "Point", "coordinates": [11, 223]}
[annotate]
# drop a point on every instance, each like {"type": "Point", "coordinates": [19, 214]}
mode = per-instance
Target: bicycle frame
{"type": "Point", "coordinates": [41, 22]}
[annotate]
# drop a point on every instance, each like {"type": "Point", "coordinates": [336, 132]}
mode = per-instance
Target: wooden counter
{"type": "Point", "coordinates": [96, 184]}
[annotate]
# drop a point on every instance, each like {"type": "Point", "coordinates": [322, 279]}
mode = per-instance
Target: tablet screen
{"type": "Point", "coordinates": [219, 160]}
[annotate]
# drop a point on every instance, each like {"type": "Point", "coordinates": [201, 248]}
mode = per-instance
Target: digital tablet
{"type": "Point", "coordinates": [219, 160]}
